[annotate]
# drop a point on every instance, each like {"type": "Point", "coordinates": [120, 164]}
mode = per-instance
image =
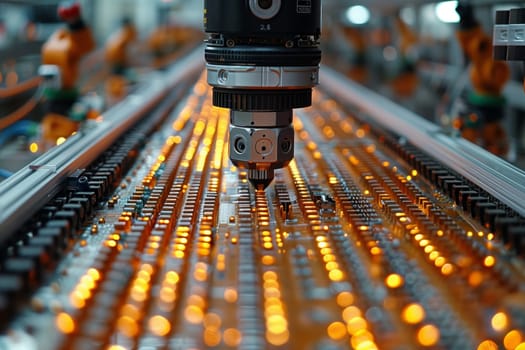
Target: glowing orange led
{"type": "Point", "coordinates": [394, 280]}
{"type": "Point", "coordinates": [413, 313]}
{"type": "Point", "coordinates": [276, 324]}
{"type": "Point", "coordinates": [440, 261]}
{"type": "Point", "coordinates": [60, 141]}
{"type": "Point", "coordinates": [487, 345]}
{"type": "Point", "coordinates": [499, 321]}
{"type": "Point", "coordinates": [268, 245]}
{"type": "Point", "coordinates": [433, 255]}
{"type": "Point", "coordinates": [131, 311]}
{"type": "Point", "coordinates": [127, 326]}
{"type": "Point", "coordinates": [116, 347]}
{"type": "Point", "coordinates": [512, 339]}
{"type": "Point", "coordinates": [489, 261]}
{"type": "Point", "coordinates": [212, 337]}
{"type": "Point", "coordinates": [268, 260]}
{"type": "Point", "coordinates": [159, 325]}
{"type": "Point", "coordinates": [447, 269]}
{"type": "Point", "coordinates": [428, 335]}
{"type": "Point", "coordinates": [167, 295]}
{"type": "Point", "coordinates": [350, 312]}
{"type": "Point", "coordinates": [364, 345]}
{"type": "Point", "coordinates": [138, 294]}
{"type": "Point", "coordinates": [232, 337]}
{"type": "Point", "coordinates": [193, 314]}
{"type": "Point", "coordinates": [230, 295]}
{"type": "Point", "coordinates": [212, 320]}
{"type": "Point", "coordinates": [272, 292]}
{"type": "Point", "coordinates": [33, 147]}
{"type": "Point", "coordinates": [65, 323]}
{"type": "Point", "coordinates": [76, 300]}
{"type": "Point", "coordinates": [345, 299]}
{"type": "Point", "coordinates": [375, 251]}
{"type": "Point", "coordinates": [336, 275]}
{"type": "Point", "coordinates": [336, 330]}
{"type": "Point", "coordinates": [356, 324]}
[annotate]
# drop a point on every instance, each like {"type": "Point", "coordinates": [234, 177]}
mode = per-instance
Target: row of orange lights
{"type": "Point", "coordinates": [82, 292]}
{"type": "Point", "coordinates": [332, 266]}
{"type": "Point", "coordinates": [277, 332]}
{"type": "Point", "coordinates": [132, 312]}
{"type": "Point", "coordinates": [356, 325]}
{"type": "Point", "coordinates": [353, 324]}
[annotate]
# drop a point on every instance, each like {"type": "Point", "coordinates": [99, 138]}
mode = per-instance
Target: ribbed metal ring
{"type": "Point", "coordinates": [262, 77]}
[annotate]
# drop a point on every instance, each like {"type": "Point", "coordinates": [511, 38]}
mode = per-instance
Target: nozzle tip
{"type": "Point", "coordinates": [260, 178]}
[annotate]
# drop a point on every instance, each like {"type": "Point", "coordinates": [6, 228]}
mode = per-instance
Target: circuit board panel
{"type": "Point", "coordinates": [353, 246]}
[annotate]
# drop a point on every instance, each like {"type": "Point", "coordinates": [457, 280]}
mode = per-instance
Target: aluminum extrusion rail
{"type": "Point", "coordinates": [496, 176]}
{"type": "Point", "coordinates": [26, 191]}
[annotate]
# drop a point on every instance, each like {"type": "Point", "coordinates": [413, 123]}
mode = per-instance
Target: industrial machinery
{"type": "Point", "coordinates": [61, 56]}
{"type": "Point", "coordinates": [357, 70]}
{"type": "Point", "coordinates": [117, 54]}
{"type": "Point", "coordinates": [481, 121]}
{"type": "Point", "coordinates": [406, 80]}
{"type": "Point", "coordinates": [507, 38]}
{"type": "Point", "coordinates": [262, 62]}
{"type": "Point", "coordinates": [382, 233]}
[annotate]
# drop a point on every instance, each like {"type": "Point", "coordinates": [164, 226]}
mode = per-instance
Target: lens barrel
{"type": "Point", "coordinates": [262, 59]}
{"type": "Point", "coordinates": [236, 19]}
{"type": "Point", "coordinates": [264, 44]}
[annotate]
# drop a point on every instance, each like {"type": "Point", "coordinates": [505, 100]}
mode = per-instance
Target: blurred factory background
{"type": "Point", "coordinates": [377, 43]}
{"type": "Point", "coordinates": [125, 222]}
{"type": "Point", "coordinates": [406, 50]}
{"type": "Point", "coordinates": [103, 16]}
{"type": "Point", "coordinates": [161, 28]}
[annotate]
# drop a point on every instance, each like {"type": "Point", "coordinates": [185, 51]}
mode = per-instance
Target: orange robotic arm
{"type": "Point", "coordinates": [481, 122]}
{"type": "Point", "coordinates": [408, 38]}
{"type": "Point", "coordinates": [357, 70]}
{"type": "Point", "coordinates": [356, 38]}
{"type": "Point", "coordinates": [488, 76]}
{"type": "Point", "coordinates": [405, 84]}
{"type": "Point", "coordinates": [118, 43]}
{"type": "Point", "coordinates": [68, 45]}
{"type": "Point", "coordinates": [64, 49]}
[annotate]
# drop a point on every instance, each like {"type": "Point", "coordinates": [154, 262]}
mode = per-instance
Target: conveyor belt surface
{"type": "Point", "coordinates": [363, 242]}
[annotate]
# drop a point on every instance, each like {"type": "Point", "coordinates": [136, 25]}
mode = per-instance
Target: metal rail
{"type": "Point", "coordinates": [34, 185]}
{"type": "Point", "coordinates": [493, 174]}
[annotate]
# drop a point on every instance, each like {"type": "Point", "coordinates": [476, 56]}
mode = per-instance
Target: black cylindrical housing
{"type": "Point", "coordinates": [502, 19]}
{"type": "Point", "coordinates": [516, 53]}
{"type": "Point", "coordinates": [234, 18]}
{"type": "Point", "coordinates": [260, 34]}
{"type": "Point", "coordinates": [263, 55]}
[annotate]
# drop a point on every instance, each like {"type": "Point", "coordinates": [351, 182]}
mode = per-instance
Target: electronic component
{"type": "Point", "coordinates": [145, 236]}
{"type": "Point", "coordinates": [262, 61]}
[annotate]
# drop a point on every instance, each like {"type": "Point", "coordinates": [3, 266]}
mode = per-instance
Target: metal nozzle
{"type": "Point", "coordinates": [261, 142]}
{"type": "Point", "coordinates": [260, 178]}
